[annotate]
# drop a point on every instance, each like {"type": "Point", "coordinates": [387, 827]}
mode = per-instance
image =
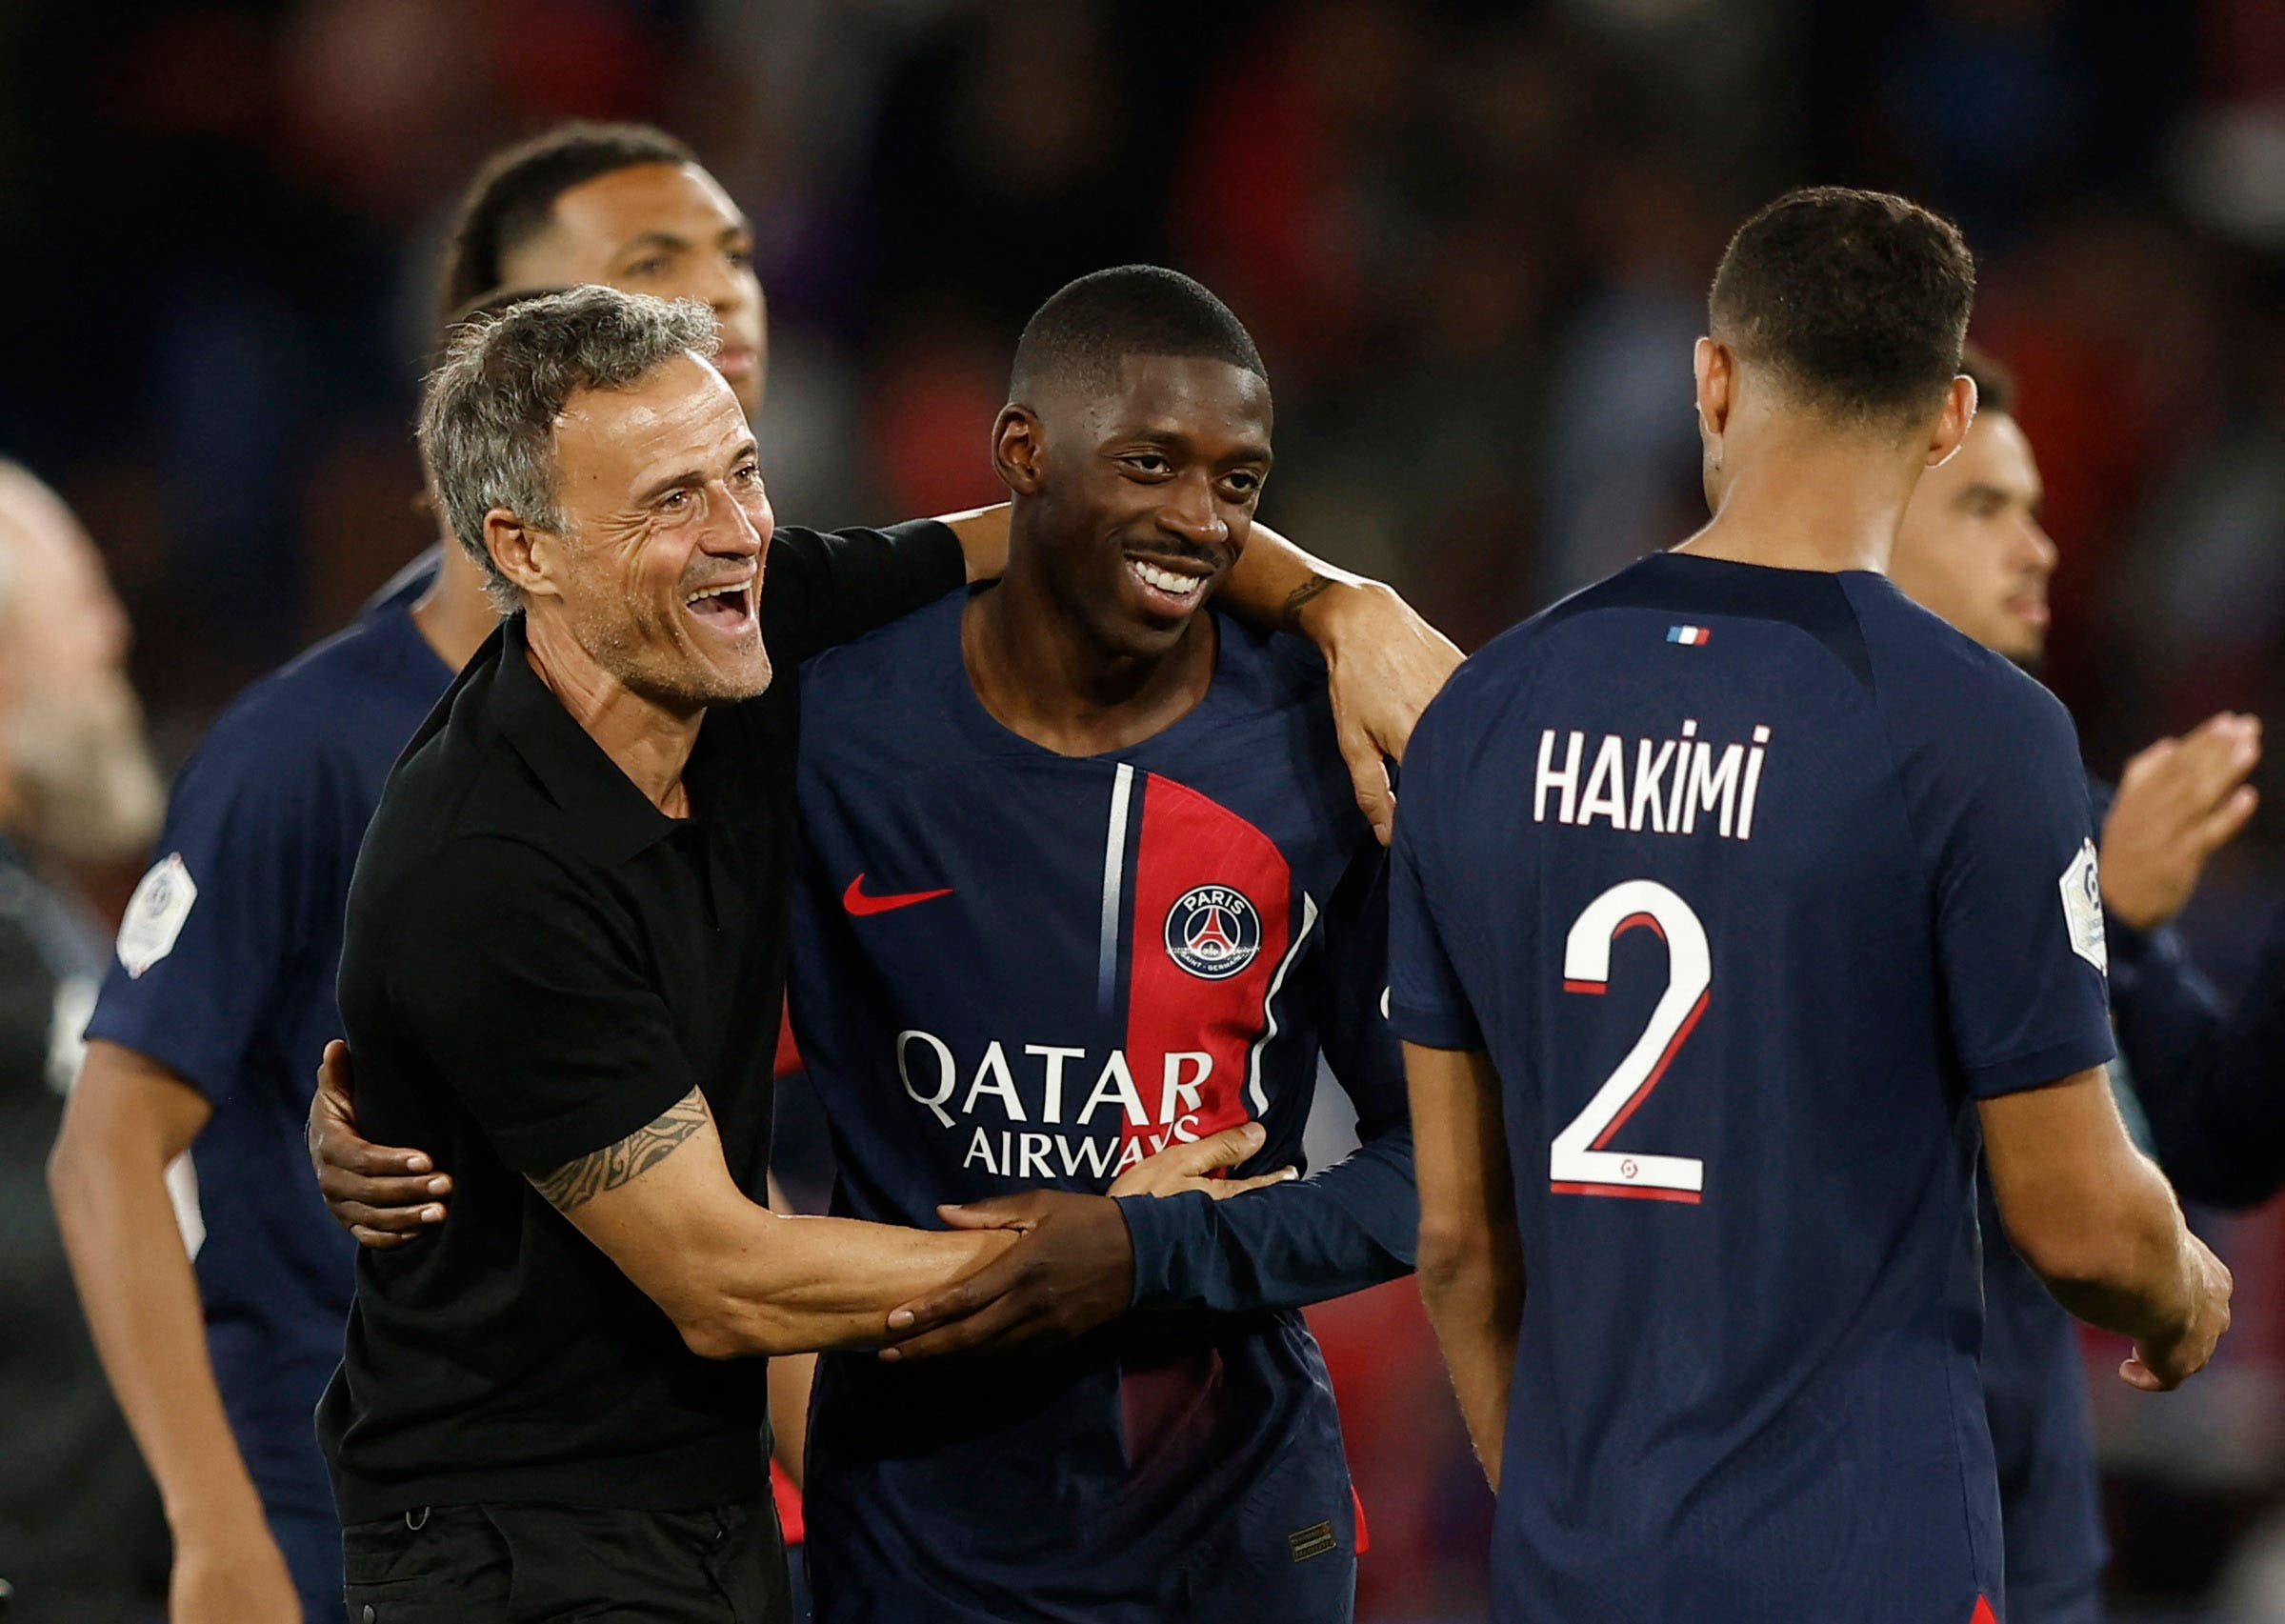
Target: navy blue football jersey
{"type": "Point", "coordinates": [224, 974]}
{"type": "Point", "coordinates": [1750, 882]}
{"type": "Point", "coordinates": [1014, 968]}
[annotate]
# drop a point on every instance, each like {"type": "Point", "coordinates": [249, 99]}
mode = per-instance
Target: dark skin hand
{"type": "Point", "coordinates": [383, 1195]}
{"type": "Point", "coordinates": [1074, 1270]}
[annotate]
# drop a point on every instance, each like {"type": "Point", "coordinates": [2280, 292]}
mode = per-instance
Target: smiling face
{"type": "Point", "coordinates": [667, 229]}
{"type": "Point", "coordinates": [1971, 548]}
{"type": "Point", "coordinates": [1142, 493]}
{"type": "Point", "coordinates": [658, 568]}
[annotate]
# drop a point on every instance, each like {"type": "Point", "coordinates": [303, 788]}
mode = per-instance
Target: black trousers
{"type": "Point", "coordinates": [526, 1564]}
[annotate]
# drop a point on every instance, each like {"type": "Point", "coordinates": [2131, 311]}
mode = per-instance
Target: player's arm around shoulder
{"type": "Point", "coordinates": [1383, 663]}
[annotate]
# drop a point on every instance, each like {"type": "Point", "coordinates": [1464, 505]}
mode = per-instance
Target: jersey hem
{"type": "Point", "coordinates": [1435, 1029]}
{"type": "Point", "coordinates": [2039, 1067]}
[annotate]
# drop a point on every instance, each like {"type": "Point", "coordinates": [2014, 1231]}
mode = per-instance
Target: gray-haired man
{"type": "Point", "coordinates": [561, 977]}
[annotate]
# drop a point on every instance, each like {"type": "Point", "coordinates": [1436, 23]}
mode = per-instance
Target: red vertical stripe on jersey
{"type": "Point", "coordinates": [1983, 1614]}
{"type": "Point", "coordinates": [1189, 841]}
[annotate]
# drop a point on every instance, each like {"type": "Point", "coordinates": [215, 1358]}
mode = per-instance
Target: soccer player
{"type": "Point", "coordinates": [1971, 548]}
{"type": "Point", "coordinates": [1730, 896]}
{"type": "Point", "coordinates": [1081, 875]}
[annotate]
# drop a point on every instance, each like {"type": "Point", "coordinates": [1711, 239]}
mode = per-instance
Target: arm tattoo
{"type": "Point", "coordinates": [576, 1183]}
{"type": "Point", "coordinates": [1299, 600]}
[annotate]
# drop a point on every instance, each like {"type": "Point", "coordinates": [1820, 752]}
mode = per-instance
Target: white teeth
{"type": "Point", "coordinates": [715, 592]}
{"type": "Point", "coordinates": [1166, 580]}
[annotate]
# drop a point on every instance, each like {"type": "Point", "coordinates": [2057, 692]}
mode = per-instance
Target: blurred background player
{"type": "Point", "coordinates": [990, 990]}
{"type": "Point", "coordinates": [81, 1540]}
{"type": "Point", "coordinates": [1972, 548]}
{"type": "Point", "coordinates": [1698, 1006]}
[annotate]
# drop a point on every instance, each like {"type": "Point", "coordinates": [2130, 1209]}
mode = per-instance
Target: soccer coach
{"type": "Point", "coordinates": [563, 942]}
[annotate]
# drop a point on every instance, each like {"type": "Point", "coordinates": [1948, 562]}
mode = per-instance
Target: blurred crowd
{"type": "Point", "coordinates": [1473, 240]}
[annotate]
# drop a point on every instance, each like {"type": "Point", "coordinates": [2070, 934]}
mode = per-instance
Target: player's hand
{"type": "Point", "coordinates": [383, 1195]}
{"type": "Point", "coordinates": [2178, 802]}
{"type": "Point", "coordinates": [1201, 1165]}
{"type": "Point", "coordinates": [226, 1577]}
{"type": "Point", "coordinates": [1072, 1266]}
{"type": "Point", "coordinates": [1385, 663]}
{"type": "Point", "coordinates": [2161, 1366]}
{"type": "Point", "coordinates": [1071, 1269]}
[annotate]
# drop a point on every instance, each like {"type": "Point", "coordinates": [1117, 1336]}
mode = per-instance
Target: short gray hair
{"type": "Point", "coordinates": [488, 415]}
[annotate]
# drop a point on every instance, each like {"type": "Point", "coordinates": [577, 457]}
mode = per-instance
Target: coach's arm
{"type": "Point", "coordinates": [733, 1276]}
{"type": "Point", "coordinates": [737, 1278]}
{"type": "Point", "coordinates": [2097, 1222]}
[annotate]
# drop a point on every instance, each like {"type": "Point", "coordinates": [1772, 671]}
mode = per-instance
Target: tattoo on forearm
{"type": "Point", "coordinates": [1299, 600]}
{"type": "Point", "coordinates": [576, 1183]}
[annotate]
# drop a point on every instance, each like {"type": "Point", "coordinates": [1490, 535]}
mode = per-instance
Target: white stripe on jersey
{"type": "Point", "coordinates": [1269, 1005]}
{"type": "Point", "coordinates": [1114, 862]}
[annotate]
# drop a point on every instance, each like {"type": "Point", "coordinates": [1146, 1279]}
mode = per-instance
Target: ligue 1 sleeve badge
{"type": "Point", "coordinates": [1212, 931]}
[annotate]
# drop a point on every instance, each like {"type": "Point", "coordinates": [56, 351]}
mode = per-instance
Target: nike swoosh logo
{"type": "Point", "coordinates": [859, 904]}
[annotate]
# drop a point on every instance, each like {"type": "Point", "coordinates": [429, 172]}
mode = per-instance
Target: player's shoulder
{"type": "Point", "coordinates": [848, 681]}
{"type": "Point", "coordinates": [341, 702]}
{"type": "Point", "coordinates": [1929, 674]}
{"type": "Point", "coordinates": [1268, 669]}
{"type": "Point", "coordinates": [1487, 683]}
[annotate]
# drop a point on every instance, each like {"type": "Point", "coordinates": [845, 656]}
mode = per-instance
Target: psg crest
{"type": "Point", "coordinates": [1212, 931]}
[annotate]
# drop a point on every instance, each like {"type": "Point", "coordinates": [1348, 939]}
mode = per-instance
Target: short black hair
{"type": "Point", "coordinates": [1859, 300]}
{"type": "Point", "coordinates": [1087, 327]}
{"type": "Point", "coordinates": [514, 193]}
{"type": "Point", "coordinates": [1995, 384]}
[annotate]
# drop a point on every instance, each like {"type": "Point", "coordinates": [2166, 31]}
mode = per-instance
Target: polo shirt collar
{"type": "Point", "coordinates": [610, 818]}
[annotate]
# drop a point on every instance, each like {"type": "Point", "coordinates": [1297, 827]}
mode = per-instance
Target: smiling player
{"type": "Point", "coordinates": [1082, 879]}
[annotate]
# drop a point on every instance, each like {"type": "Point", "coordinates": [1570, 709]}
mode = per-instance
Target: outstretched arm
{"type": "Point", "coordinates": [734, 1278]}
{"type": "Point", "coordinates": [1072, 1272]}
{"type": "Point", "coordinates": [1471, 1277]}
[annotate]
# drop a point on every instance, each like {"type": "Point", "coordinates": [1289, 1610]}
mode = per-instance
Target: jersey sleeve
{"type": "Point", "coordinates": [1426, 1003]}
{"type": "Point", "coordinates": [247, 854]}
{"type": "Point", "coordinates": [503, 939]}
{"type": "Point", "coordinates": [2211, 1077]}
{"type": "Point", "coordinates": [824, 588]}
{"type": "Point", "coordinates": [1351, 1226]}
{"type": "Point", "coordinates": [2018, 910]}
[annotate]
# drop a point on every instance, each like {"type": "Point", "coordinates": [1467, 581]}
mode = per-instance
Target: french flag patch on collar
{"type": "Point", "coordinates": [1694, 635]}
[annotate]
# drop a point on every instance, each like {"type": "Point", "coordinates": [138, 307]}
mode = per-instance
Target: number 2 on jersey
{"type": "Point", "coordinates": [1578, 1163]}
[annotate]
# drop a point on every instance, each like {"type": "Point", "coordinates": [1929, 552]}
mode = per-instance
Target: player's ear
{"type": "Point", "coordinates": [522, 552]}
{"type": "Point", "coordinates": [1953, 423]}
{"type": "Point", "coordinates": [1716, 371]}
{"type": "Point", "coordinates": [1016, 449]}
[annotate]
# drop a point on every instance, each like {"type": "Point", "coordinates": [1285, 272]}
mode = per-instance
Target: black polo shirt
{"type": "Point", "coordinates": [538, 962]}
